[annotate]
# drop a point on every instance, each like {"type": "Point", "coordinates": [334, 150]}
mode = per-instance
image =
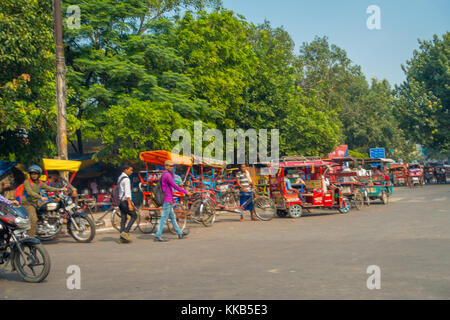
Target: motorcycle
{"type": "Point", "coordinates": [51, 218]}
{"type": "Point", "coordinates": [26, 255]}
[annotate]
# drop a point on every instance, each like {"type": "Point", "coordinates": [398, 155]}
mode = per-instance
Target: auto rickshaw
{"type": "Point", "coordinates": [415, 175]}
{"type": "Point", "coordinates": [302, 184]}
{"type": "Point", "coordinates": [345, 176]}
{"type": "Point", "coordinates": [377, 184]}
{"type": "Point", "coordinates": [399, 174]}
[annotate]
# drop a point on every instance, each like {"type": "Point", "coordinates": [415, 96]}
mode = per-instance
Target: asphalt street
{"type": "Point", "coordinates": [322, 255]}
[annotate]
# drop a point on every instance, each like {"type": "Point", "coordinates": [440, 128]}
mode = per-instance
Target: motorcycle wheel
{"type": "Point", "coordinates": [36, 266]}
{"type": "Point", "coordinates": [86, 232]}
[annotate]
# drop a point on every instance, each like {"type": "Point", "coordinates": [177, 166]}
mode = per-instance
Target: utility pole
{"type": "Point", "coordinates": [60, 83]}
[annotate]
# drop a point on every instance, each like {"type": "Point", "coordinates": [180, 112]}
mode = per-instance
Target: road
{"type": "Point", "coordinates": [323, 255]}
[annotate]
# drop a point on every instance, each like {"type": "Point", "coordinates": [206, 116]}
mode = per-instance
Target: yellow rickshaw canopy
{"type": "Point", "coordinates": [61, 165]}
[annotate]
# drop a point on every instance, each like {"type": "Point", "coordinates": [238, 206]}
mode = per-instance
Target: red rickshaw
{"type": "Point", "coordinates": [302, 184]}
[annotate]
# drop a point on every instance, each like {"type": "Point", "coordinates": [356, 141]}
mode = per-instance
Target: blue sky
{"type": "Point", "coordinates": [380, 53]}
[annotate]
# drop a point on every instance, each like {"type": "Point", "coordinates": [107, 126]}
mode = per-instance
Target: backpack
{"type": "Point", "coordinates": [19, 193]}
{"type": "Point", "coordinates": [115, 193]}
{"type": "Point", "coordinates": [158, 193]}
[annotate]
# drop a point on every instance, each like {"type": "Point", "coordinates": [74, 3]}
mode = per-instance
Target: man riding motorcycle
{"type": "Point", "coordinates": [33, 199]}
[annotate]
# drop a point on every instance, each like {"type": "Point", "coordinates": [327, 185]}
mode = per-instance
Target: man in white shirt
{"type": "Point", "coordinates": [126, 204]}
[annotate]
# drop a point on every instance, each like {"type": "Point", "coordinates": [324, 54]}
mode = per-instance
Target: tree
{"type": "Point", "coordinates": [219, 59]}
{"type": "Point", "coordinates": [424, 96]}
{"type": "Point", "coordinates": [122, 54]}
{"type": "Point", "coordinates": [27, 91]}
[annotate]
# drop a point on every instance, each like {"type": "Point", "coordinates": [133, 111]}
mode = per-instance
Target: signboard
{"type": "Point", "coordinates": [339, 152]}
{"type": "Point", "coordinates": [377, 153]}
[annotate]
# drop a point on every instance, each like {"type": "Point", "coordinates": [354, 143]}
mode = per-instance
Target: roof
{"type": "Point", "coordinates": [297, 164]}
{"type": "Point", "coordinates": [61, 165]}
{"type": "Point", "coordinates": [343, 159]}
{"type": "Point", "coordinates": [376, 160]}
{"type": "Point", "coordinates": [210, 162]}
{"type": "Point", "coordinates": [161, 156]}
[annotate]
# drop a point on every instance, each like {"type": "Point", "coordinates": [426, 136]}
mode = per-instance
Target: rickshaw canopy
{"type": "Point", "coordinates": [319, 163]}
{"type": "Point", "coordinates": [161, 156]}
{"type": "Point", "coordinates": [61, 165]}
{"type": "Point", "coordinates": [210, 162]}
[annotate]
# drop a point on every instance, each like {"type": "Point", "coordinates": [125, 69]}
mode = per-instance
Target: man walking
{"type": "Point", "coordinates": [126, 204]}
{"type": "Point", "coordinates": [247, 186]}
{"type": "Point", "coordinates": [167, 185]}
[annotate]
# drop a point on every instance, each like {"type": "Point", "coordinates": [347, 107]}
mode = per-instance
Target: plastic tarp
{"type": "Point", "coordinates": [61, 165]}
{"type": "Point", "coordinates": [6, 166]}
{"type": "Point", "coordinates": [161, 156]}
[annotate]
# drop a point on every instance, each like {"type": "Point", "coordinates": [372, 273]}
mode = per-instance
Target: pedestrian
{"type": "Point", "coordinates": [167, 186]}
{"type": "Point", "coordinates": [247, 187]}
{"type": "Point", "coordinates": [126, 205]}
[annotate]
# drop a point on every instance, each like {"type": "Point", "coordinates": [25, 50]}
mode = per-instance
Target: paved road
{"type": "Point", "coordinates": [324, 255]}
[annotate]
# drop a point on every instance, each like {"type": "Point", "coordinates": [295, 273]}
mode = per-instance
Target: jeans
{"type": "Point", "coordinates": [166, 212]}
{"type": "Point", "coordinates": [124, 212]}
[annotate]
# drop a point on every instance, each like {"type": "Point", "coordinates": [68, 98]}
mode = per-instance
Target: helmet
{"type": "Point", "coordinates": [35, 168]}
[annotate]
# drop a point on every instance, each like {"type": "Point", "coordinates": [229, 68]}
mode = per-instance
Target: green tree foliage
{"type": "Point", "coordinates": [424, 98]}
{"type": "Point", "coordinates": [219, 59]}
{"type": "Point", "coordinates": [121, 53]}
{"type": "Point", "coordinates": [27, 101]}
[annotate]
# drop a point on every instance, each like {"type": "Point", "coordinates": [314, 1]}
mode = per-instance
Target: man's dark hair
{"type": "Point", "coordinates": [126, 166]}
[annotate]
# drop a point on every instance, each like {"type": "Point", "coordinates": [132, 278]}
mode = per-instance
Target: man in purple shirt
{"type": "Point", "coordinates": [167, 185]}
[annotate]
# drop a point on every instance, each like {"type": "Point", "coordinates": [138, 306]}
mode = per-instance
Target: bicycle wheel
{"type": "Point", "coordinates": [208, 212]}
{"type": "Point", "coordinates": [265, 208]}
{"type": "Point", "coordinates": [116, 218]}
{"type": "Point", "coordinates": [147, 224]}
{"type": "Point", "coordinates": [180, 216]}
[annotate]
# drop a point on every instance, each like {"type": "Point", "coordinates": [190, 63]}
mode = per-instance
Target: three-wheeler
{"type": "Point", "coordinates": [377, 184]}
{"type": "Point", "coordinates": [219, 189]}
{"type": "Point", "coordinates": [345, 175]}
{"type": "Point", "coordinates": [399, 174]}
{"type": "Point", "coordinates": [415, 175]}
{"type": "Point", "coordinates": [301, 183]}
{"type": "Point", "coordinates": [149, 212]}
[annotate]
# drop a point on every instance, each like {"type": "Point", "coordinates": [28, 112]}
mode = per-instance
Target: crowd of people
{"type": "Point", "coordinates": [32, 195]}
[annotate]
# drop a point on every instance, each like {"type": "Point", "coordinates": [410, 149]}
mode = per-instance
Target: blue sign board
{"type": "Point", "coordinates": [377, 153]}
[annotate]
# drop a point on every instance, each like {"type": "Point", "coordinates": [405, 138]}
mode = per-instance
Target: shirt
{"type": "Point", "coordinates": [167, 184]}
{"type": "Point", "coordinates": [244, 179]}
{"type": "Point", "coordinates": [124, 187]}
{"type": "Point", "coordinates": [3, 200]}
{"type": "Point", "coordinates": [33, 191]}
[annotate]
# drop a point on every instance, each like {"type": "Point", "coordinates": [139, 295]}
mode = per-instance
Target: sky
{"type": "Point", "coordinates": [380, 53]}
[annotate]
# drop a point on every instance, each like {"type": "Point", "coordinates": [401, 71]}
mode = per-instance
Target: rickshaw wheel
{"type": "Point", "coordinates": [208, 212]}
{"type": "Point", "coordinates": [265, 208]}
{"type": "Point", "coordinates": [384, 198]}
{"type": "Point", "coordinates": [366, 199]}
{"type": "Point", "coordinates": [146, 223]}
{"type": "Point", "coordinates": [181, 218]}
{"type": "Point", "coordinates": [295, 211]}
{"type": "Point", "coordinates": [358, 200]}
{"type": "Point", "coordinates": [281, 213]}
{"type": "Point", "coordinates": [346, 207]}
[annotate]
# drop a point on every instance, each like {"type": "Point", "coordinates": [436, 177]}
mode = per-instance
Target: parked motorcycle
{"type": "Point", "coordinates": [51, 218]}
{"type": "Point", "coordinates": [25, 255]}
